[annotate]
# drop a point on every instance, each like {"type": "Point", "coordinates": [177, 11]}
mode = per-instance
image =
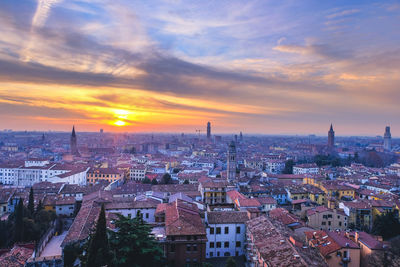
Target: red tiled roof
{"type": "Point", "coordinates": [182, 218]}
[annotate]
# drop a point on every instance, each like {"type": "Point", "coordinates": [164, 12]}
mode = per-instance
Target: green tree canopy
{"type": "Point", "coordinates": [146, 181]}
{"type": "Point", "coordinates": [31, 203]}
{"type": "Point", "coordinates": [133, 244]}
{"type": "Point", "coordinates": [230, 262]}
{"type": "Point", "coordinates": [166, 179]}
{"type": "Point", "coordinates": [386, 225]}
{"type": "Point", "coordinates": [19, 222]}
{"type": "Point", "coordinates": [288, 167]}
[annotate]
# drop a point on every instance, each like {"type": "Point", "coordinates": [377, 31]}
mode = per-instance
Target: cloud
{"type": "Point", "coordinates": [321, 50]}
{"type": "Point", "coordinates": [343, 13]}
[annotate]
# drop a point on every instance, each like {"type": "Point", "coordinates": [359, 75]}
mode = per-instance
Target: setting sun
{"type": "Point", "coordinates": [119, 123]}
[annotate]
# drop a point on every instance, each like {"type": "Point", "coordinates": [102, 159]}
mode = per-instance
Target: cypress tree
{"type": "Point", "coordinates": [98, 253]}
{"type": "Point", "coordinates": [39, 206]}
{"type": "Point", "coordinates": [31, 203]}
{"type": "Point", "coordinates": [19, 222]}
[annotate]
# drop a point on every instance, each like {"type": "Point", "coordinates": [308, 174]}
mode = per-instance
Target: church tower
{"type": "Point", "coordinates": [387, 139]}
{"type": "Point", "coordinates": [331, 138]}
{"type": "Point", "coordinates": [231, 162]}
{"type": "Point", "coordinates": [74, 148]}
{"type": "Point", "coordinates": [208, 130]}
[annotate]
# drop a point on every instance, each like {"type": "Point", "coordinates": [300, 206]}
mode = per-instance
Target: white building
{"type": "Point", "coordinates": [27, 176]}
{"type": "Point", "coordinates": [226, 233]}
{"type": "Point", "coordinates": [146, 206]}
{"type": "Point", "coordinates": [306, 169]}
{"type": "Point", "coordinates": [275, 166]}
{"type": "Point", "coordinates": [77, 177]}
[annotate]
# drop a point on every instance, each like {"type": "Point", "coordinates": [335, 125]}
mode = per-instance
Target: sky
{"type": "Point", "coordinates": [269, 67]}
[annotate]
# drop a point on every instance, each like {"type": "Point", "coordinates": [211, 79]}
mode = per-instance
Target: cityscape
{"type": "Point", "coordinates": [199, 133]}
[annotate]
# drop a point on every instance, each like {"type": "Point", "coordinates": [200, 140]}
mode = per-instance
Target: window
{"type": "Point", "coordinates": [211, 254]}
{"type": "Point", "coordinates": [172, 248]}
{"type": "Point", "coordinates": [238, 229]}
{"type": "Point", "coordinates": [188, 248]}
{"type": "Point", "coordinates": [340, 223]}
{"type": "Point", "coordinates": [323, 223]}
{"type": "Point", "coordinates": [147, 215]}
{"type": "Point", "coordinates": [218, 244]}
{"type": "Point", "coordinates": [238, 244]}
{"type": "Point", "coordinates": [226, 230]}
{"type": "Point", "coordinates": [226, 244]}
{"type": "Point", "coordinates": [345, 254]}
{"type": "Point", "coordinates": [211, 230]}
{"type": "Point", "coordinates": [194, 248]}
{"type": "Point", "coordinates": [211, 244]}
{"type": "Point", "coordinates": [218, 230]}
{"type": "Point", "coordinates": [329, 223]}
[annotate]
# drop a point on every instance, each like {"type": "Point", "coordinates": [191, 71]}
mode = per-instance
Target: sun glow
{"type": "Point", "coordinates": [119, 123]}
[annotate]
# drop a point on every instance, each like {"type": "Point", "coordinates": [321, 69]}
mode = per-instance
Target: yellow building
{"type": "Point", "coordinates": [105, 174]}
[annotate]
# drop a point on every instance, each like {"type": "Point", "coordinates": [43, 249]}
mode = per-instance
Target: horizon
{"type": "Point", "coordinates": [277, 68]}
{"type": "Point", "coordinates": [202, 134]}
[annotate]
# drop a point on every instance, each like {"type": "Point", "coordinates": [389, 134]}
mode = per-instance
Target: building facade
{"type": "Point", "coordinates": [226, 233]}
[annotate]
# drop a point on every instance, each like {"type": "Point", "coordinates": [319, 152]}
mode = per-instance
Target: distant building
{"type": "Point", "coordinates": [108, 174]}
{"type": "Point", "coordinates": [74, 148]}
{"type": "Point", "coordinates": [241, 137]}
{"type": "Point", "coordinates": [231, 163]}
{"type": "Point", "coordinates": [208, 130]}
{"type": "Point", "coordinates": [331, 138]}
{"type": "Point", "coordinates": [387, 141]}
{"type": "Point", "coordinates": [310, 168]}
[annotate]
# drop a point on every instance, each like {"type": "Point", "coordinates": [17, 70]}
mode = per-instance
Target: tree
{"type": "Point", "coordinates": [389, 257]}
{"type": "Point", "coordinates": [133, 244]}
{"type": "Point", "coordinates": [70, 253]}
{"type": "Point", "coordinates": [166, 179]}
{"type": "Point", "coordinates": [186, 181]}
{"type": "Point", "coordinates": [19, 222]}
{"type": "Point", "coordinates": [31, 203]}
{"type": "Point", "coordinates": [154, 181]}
{"type": "Point", "coordinates": [288, 167]}
{"type": "Point", "coordinates": [386, 225]}
{"type": "Point", "coordinates": [39, 206]}
{"type": "Point", "coordinates": [98, 251]}
{"type": "Point", "coordinates": [230, 262]}
{"type": "Point", "coordinates": [146, 181]}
